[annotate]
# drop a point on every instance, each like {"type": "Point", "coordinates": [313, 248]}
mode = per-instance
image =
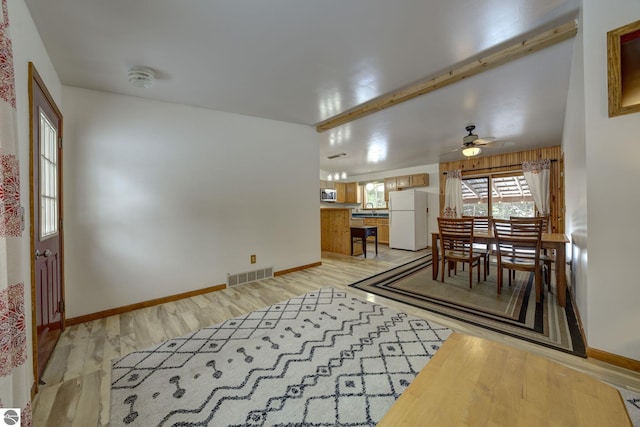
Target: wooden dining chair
{"type": "Point", "coordinates": [518, 246]}
{"type": "Point", "coordinates": [483, 225]}
{"type": "Point", "coordinates": [546, 258]}
{"type": "Point", "coordinates": [456, 240]}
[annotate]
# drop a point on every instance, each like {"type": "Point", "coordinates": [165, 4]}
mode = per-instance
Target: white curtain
{"type": "Point", "coordinates": [14, 369]}
{"type": "Point", "coordinates": [453, 195]}
{"type": "Point", "coordinates": [537, 175]}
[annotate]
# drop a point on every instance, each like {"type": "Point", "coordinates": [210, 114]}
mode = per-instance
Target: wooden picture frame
{"type": "Point", "coordinates": [623, 58]}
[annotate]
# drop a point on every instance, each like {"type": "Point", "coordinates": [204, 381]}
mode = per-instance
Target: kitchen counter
{"type": "Point", "coordinates": [369, 215]}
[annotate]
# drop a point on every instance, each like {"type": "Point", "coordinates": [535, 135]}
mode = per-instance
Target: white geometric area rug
{"type": "Point", "coordinates": [321, 359]}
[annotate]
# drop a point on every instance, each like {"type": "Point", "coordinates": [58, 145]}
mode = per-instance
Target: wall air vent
{"type": "Point", "coordinates": [237, 279]}
{"type": "Point", "coordinates": [335, 156]}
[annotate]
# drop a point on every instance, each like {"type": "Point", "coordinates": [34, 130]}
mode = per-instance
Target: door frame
{"type": "Point", "coordinates": [35, 79]}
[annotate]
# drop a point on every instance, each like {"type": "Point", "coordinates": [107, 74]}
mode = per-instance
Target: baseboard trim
{"type": "Point", "coordinates": [578, 318]}
{"type": "Point", "coordinates": [604, 356]}
{"type": "Point", "coordinates": [150, 303]}
{"type": "Point", "coordinates": [143, 304]}
{"type": "Point", "coordinates": [292, 270]}
{"type": "Point", "coordinates": [614, 359]}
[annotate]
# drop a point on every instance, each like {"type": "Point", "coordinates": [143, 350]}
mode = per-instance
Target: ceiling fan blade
{"type": "Point", "coordinates": [451, 150]}
{"type": "Point", "coordinates": [484, 141]}
{"type": "Point", "coordinates": [499, 143]}
{"type": "Point", "coordinates": [492, 144]}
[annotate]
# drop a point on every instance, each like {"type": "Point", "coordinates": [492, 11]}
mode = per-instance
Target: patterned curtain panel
{"type": "Point", "coordinates": [14, 369]}
{"type": "Point", "coordinates": [537, 176]}
{"type": "Point", "coordinates": [453, 195]}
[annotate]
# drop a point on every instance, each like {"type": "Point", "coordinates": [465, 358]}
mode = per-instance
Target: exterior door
{"type": "Point", "coordinates": [46, 202]}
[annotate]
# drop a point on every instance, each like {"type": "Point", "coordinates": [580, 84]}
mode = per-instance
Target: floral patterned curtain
{"type": "Point", "coordinates": [537, 175]}
{"type": "Point", "coordinates": [14, 369]}
{"type": "Point", "coordinates": [453, 195]}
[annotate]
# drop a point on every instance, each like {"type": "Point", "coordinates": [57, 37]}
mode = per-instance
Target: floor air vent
{"type": "Point", "coordinates": [237, 279]}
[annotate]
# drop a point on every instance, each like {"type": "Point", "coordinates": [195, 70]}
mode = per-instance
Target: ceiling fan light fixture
{"type": "Point", "coordinates": [471, 151]}
{"type": "Point", "coordinates": [143, 77]}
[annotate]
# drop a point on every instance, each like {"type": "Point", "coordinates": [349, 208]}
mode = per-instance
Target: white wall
{"type": "Point", "coordinates": [27, 47]}
{"type": "Point", "coordinates": [574, 149]}
{"type": "Point", "coordinates": [164, 198]}
{"type": "Point", "coordinates": [613, 165]}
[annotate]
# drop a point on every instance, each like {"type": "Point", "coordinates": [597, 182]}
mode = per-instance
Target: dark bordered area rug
{"type": "Point", "coordinates": [324, 358]}
{"type": "Point", "coordinates": [514, 312]}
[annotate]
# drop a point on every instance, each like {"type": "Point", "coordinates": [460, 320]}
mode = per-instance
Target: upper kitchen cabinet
{"type": "Point", "coordinates": [327, 184]}
{"type": "Point", "coordinates": [420, 180]}
{"type": "Point", "coordinates": [351, 190]}
{"type": "Point", "coordinates": [405, 181]}
{"type": "Point", "coordinates": [415, 180]}
{"type": "Point", "coordinates": [347, 192]}
{"type": "Point", "coordinates": [390, 184]}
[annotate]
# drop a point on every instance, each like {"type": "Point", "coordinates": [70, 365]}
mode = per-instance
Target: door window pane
{"type": "Point", "coordinates": [48, 177]}
{"type": "Point", "coordinates": [510, 196]}
{"type": "Point", "coordinates": [475, 196]}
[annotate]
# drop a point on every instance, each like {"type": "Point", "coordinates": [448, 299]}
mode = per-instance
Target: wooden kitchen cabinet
{"type": "Point", "coordinates": [335, 231]}
{"type": "Point", "coordinates": [346, 192]}
{"type": "Point", "coordinates": [351, 192]}
{"type": "Point", "coordinates": [415, 180]}
{"type": "Point", "coordinates": [420, 180]}
{"type": "Point", "coordinates": [383, 230]}
{"type": "Point", "coordinates": [327, 184]}
{"type": "Point", "coordinates": [341, 193]}
{"type": "Point", "coordinates": [403, 181]}
{"type": "Point", "coordinates": [389, 185]}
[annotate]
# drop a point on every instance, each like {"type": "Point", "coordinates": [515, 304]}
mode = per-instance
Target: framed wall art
{"type": "Point", "coordinates": [623, 57]}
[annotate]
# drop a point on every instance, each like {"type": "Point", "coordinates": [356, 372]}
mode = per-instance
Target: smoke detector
{"type": "Point", "coordinates": [143, 77]}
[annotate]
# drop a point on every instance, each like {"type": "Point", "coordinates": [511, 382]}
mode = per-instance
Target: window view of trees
{"type": "Point", "coordinates": [374, 195]}
{"type": "Point", "coordinates": [510, 196]}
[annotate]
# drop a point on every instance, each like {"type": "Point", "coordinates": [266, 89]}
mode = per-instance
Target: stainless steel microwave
{"type": "Point", "coordinates": [328, 195]}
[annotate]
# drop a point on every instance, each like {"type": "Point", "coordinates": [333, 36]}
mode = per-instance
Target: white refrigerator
{"type": "Point", "coordinates": [408, 220]}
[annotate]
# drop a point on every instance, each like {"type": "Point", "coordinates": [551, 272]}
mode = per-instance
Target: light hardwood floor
{"type": "Point", "coordinates": [78, 376]}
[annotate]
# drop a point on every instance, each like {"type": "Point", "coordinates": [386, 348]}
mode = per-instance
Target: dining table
{"type": "Point", "coordinates": [555, 241]}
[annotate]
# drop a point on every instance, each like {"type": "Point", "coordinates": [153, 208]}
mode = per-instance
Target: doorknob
{"type": "Point", "coordinates": [46, 253]}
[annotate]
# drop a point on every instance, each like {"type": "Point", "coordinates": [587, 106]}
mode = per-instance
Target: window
{"type": "Point", "coordinates": [510, 196]}
{"type": "Point", "coordinates": [475, 196]}
{"type": "Point", "coordinates": [48, 177]}
{"type": "Point", "coordinates": [374, 195]}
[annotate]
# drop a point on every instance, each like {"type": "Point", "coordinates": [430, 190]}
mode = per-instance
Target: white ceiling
{"type": "Point", "coordinates": [305, 61]}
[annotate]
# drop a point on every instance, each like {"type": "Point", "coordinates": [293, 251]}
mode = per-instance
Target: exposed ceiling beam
{"type": "Point", "coordinates": [515, 51]}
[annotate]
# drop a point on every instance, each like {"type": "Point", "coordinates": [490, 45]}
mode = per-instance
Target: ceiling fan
{"type": "Point", "coordinates": [471, 143]}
